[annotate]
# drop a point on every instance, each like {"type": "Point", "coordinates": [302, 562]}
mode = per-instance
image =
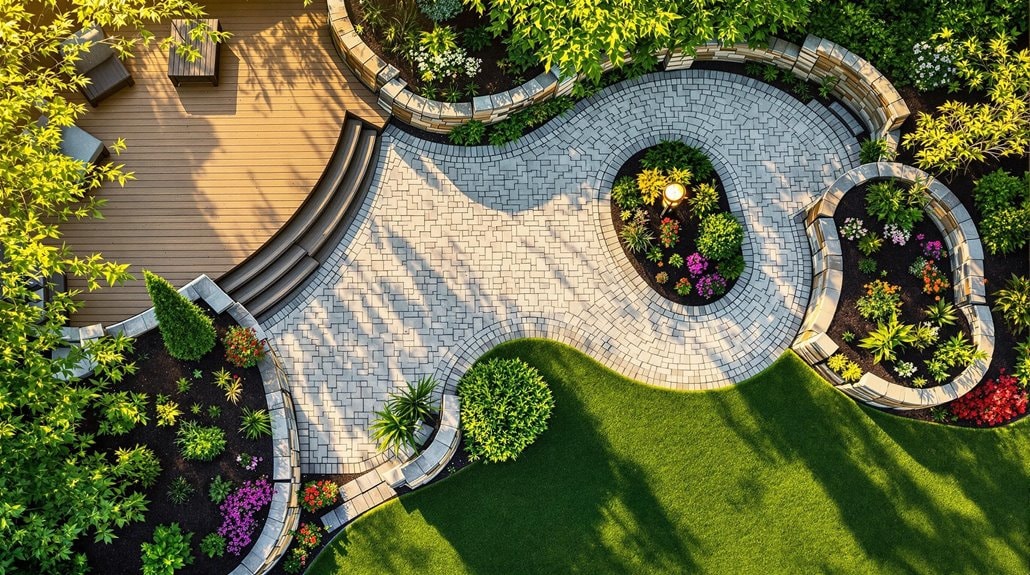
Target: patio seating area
{"type": "Point", "coordinates": [218, 170]}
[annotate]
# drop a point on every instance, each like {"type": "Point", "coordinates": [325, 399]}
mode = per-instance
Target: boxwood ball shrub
{"type": "Point", "coordinates": [505, 405]}
{"type": "Point", "coordinates": [186, 330]}
{"type": "Point", "coordinates": [720, 236]}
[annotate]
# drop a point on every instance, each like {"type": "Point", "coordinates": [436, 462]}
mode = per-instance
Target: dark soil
{"type": "Point", "coordinates": [895, 260]}
{"type": "Point", "coordinates": [157, 374]}
{"type": "Point", "coordinates": [495, 74]}
{"type": "Point", "coordinates": [686, 245]}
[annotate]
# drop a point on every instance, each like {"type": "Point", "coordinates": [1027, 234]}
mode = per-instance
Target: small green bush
{"type": "Point", "coordinates": [180, 490]}
{"type": "Point", "coordinates": [169, 552]}
{"type": "Point", "coordinates": [999, 190]}
{"type": "Point", "coordinates": [720, 236]}
{"type": "Point", "coordinates": [212, 545]}
{"type": "Point", "coordinates": [168, 412]}
{"type": "Point", "coordinates": [137, 464]}
{"type": "Point", "coordinates": [440, 10]}
{"type": "Point", "coordinates": [1022, 369]}
{"type": "Point", "coordinates": [506, 131]}
{"type": "Point", "coordinates": [867, 266]}
{"type": "Point", "coordinates": [505, 405]}
{"type": "Point", "coordinates": [468, 134]}
{"type": "Point", "coordinates": [121, 411]}
{"type": "Point", "coordinates": [670, 154]}
{"type": "Point", "coordinates": [198, 442]}
{"type": "Point", "coordinates": [731, 268]}
{"type": "Point", "coordinates": [704, 200]}
{"type": "Point", "coordinates": [219, 489]}
{"type": "Point", "coordinates": [1014, 303]}
{"type": "Point", "coordinates": [1007, 229]}
{"type": "Point", "coordinates": [893, 204]}
{"type": "Point", "coordinates": [626, 194]}
{"type": "Point", "coordinates": [874, 151]}
{"type": "Point", "coordinates": [187, 331]}
{"type": "Point", "coordinates": [881, 300]}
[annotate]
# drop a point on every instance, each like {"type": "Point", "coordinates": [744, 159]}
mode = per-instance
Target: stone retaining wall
{"type": "Point", "coordinates": [284, 512]}
{"type": "Point", "coordinates": [966, 254]}
{"type": "Point", "coordinates": [864, 89]}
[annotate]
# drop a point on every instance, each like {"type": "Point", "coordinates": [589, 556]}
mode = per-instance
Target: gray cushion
{"type": "Point", "coordinates": [98, 52]}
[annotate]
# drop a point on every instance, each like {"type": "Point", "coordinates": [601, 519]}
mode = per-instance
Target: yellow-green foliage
{"type": "Point", "coordinates": [681, 176]}
{"type": "Point", "coordinates": [848, 370]}
{"type": "Point", "coordinates": [651, 183]}
{"type": "Point", "coordinates": [960, 134]}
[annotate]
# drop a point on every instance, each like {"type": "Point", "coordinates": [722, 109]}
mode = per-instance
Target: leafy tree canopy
{"type": "Point", "coordinates": [574, 35]}
{"type": "Point", "coordinates": [55, 487]}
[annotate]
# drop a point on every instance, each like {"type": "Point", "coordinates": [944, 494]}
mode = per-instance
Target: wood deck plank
{"type": "Point", "coordinates": [218, 169]}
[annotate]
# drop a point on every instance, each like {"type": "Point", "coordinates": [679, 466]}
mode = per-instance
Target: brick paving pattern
{"type": "Point", "coordinates": [457, 249]}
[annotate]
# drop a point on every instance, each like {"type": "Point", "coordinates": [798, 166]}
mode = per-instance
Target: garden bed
{"type": "Point", "coordinates": [157, 374]}
{"type": "Point", "coordinates": [892, 263]}
{"type": "Point", "coordinates": [678, 256]}
{"type": "Point", "coordinates": [376, 20]}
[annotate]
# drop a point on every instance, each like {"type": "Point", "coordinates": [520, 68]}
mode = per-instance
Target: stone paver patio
{"type": "Point", "coordinates": [457, 249]}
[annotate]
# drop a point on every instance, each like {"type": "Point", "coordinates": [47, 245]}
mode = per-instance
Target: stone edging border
{"type": "Point", "coordinates": [868, 93]}
{"type": "Point", "coordinates": [966, 256]}
{"type": "Point", "coordinates": [284, 512]}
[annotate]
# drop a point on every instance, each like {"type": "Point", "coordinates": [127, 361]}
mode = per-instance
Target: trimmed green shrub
{"type": "Point", "coordinates": [1004, 201]}
{"type": "Point", "coordinates": [998, 190]}
{"type": "Point", "coordinates": [198, 442]}
{"type": "Point", "coordinates": [169, 552]}
{"type": "Point", "coordinates": [186, 330]}
{"type": "Point", "coordinates": [720, 236]}
{"type": "Point", "coordinates": [505, 405]}
{"type": "Point", "coordinates": [731, 268]}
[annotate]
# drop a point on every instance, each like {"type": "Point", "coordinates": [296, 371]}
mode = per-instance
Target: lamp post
{"type": "Point", "coordinates": [673, 196]}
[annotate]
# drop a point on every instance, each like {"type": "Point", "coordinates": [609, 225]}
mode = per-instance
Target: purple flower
{"type": "Point", "coordinates": [696, 264]}
{"type": "Point", "coordinates": [238, 523]}
{"type": "Point", "coordinates": [933, 250]}
{"type": "Point", "coordinates": [711, 285]}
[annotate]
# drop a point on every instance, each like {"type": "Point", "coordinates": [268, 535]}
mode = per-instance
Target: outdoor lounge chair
{"type": "Point", "coordinates": [100, 64]}
{"type": "Point", "coordinates": [79, 144]}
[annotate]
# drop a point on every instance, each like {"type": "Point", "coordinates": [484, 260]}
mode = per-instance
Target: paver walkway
{"type": "Point", "coordinates": [457, 249]}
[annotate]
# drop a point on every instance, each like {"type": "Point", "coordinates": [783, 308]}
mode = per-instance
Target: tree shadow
{"type": "Point", "coordinates": [884, 501]}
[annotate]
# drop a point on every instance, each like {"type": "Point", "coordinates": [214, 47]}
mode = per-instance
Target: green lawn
{"type": "Point", "coordinates": [780, 474]}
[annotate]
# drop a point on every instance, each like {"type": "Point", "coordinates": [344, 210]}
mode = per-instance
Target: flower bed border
{"type": "Point", "coordinates": [966, 255]}
{"type": "Point", "coordinates": [867, 92]}
{"type": "Point", "coordinates": [284, 512]}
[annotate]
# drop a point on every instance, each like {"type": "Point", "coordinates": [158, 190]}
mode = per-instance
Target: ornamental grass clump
{"type": "Point", "coordinates": [505, 405]}
{"type": "Point", "coordinates": [238, 522]}
{"type": "Point", "coordinates": [186, 330]}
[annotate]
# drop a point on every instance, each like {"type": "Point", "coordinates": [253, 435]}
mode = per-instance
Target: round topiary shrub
{"type": "Point", "coordinates": [505, 404]}
{"type": "Point", "coordinates": [720, 236]}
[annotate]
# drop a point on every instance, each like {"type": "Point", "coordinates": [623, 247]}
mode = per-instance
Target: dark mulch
{"type": "Point", "coordinates": [158, 373]}
{"type": "Point", "coordinates": [494, 73]}
{"type": "Point", "coordinates": [895, 260]}
{"type": "Point", "coordinates": [687, 241]}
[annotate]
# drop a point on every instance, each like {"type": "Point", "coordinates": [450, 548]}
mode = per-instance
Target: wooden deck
{"type": "Point", "coordinates": [218, 169]}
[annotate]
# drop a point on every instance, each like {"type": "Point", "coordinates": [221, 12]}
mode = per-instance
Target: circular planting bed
{"type": "Point", "coordinates": [164, 397]}
{"type": "Point", "coordinates": [670, 211]}
{"type": "Point", "coordinates": [896, 317]}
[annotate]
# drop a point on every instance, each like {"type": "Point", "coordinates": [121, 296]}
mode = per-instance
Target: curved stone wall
{"type": "Point", "coordinates": [284, 512]}
{"type": "Point", "coordinates": [966, 255]}
{"type": "Point", "coordinates": [861, 87]}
